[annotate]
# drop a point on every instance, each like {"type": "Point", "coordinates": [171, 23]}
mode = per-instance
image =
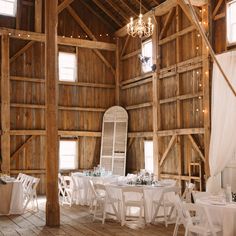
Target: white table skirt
{"type": "Point", "coordinates": [150, 194]}
{"type": "Point", "coordinates": [85, 192]}
{"type": "Point", "coordinates": [14, 195]}
{"type": "Point", "coordinates": [222, 215]}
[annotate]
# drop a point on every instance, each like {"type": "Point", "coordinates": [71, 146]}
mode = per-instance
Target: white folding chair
{"type": "Point", "coordinates": [166, 202]}
{"type": "Point", "coordinates": [61, 189]}
{"type": "Point", "coordinates": [20, 177]}
{"type": "Point", "coordinates": [30, 195]}
{"type": "Point", "coordinates": [68, 190]}
{"type": "Point", "coordinates": [77, 187]}
{"type": "Point", "coordinates": [98, 200]}
{"type": "Point", "coordinates": [132, 197]}
{"type": "Point", "coordinates": [187, 195]}
{"type": "Point", "coordinates": [199, 224]}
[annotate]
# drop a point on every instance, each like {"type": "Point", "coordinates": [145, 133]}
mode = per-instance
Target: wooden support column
{"type": "Point", "coordinates": [52, 205]}
{"type": "Point", "coordinates": [178, 103]}
{"type": "Point", "coordinates": [5, 106]}
{"type": "Point", "coordinates": [155, 100]}
{"type": "Point", "coordinates": [117, 77]}
{"type": "Point", "coordinates": [38, 16]}
{"type": "Point", "coordinates": [206, 91]}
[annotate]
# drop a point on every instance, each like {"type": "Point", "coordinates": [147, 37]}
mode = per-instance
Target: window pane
{"type": "Point", "coordinates": [147, 53]}
{"type": "Point", "coordinates": [231, 22]}
{"type": "Point", "coordinates": [148, 154]}
{"type": "Point", "coordinates": [8, 7]}
{"type": "Point", "coordinates": [68, 155]}
{"type": "Point", "coordinates": [67, 66]}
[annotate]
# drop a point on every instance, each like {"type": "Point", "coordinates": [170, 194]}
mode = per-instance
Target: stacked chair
{"type": "Point", "coordinates": [29, 184]}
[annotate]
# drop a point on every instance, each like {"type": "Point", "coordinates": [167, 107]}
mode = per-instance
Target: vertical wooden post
{"type": "Point", "coordinates": [206, 91]}
{"type": "Point", "coordinates": [52, 205]}
{"type": "Point", "coordinates": [5, 107]}
{"type": "Point", "coordinates": [155, 94]}
{"type": "Point", "coordinates": [38, 16]}
{"type": "Point", "coordinates": [117, 76]}
{"type": "Point", "coordinates": [178, 104]}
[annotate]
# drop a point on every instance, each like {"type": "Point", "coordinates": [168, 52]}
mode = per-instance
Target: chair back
{"type": "Point", "coordinates": [187, 195]}
{"type": "Point", "coordinates": [130, 193]}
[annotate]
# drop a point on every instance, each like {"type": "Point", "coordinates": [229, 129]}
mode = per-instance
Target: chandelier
{"type": "Point", "coordinates": [139, 27]}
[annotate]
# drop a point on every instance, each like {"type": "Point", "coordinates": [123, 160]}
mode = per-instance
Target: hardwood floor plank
{"type": "Point", "coordinates": [75, 220]}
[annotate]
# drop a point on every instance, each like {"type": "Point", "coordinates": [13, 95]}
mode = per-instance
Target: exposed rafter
{"type": "Point", "coordinates": [118, 10]}
{"type": "Point", "coordinates": [104, 21]}
{"type": "Point", "coordinates": [130, 8]}
{"type": "Point", "coordinates": [107, 12]}
{"type": "Point", "coordinates": [63, 5]}
{"type": "Point", "coordinates": [143, 6]}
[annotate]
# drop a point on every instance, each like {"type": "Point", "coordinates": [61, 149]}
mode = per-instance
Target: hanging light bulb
{"type": "Point", "coordinates": [140, 28]}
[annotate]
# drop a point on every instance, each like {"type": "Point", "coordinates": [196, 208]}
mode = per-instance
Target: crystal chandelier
{"type": "Point", "coordinates": [140, 28]}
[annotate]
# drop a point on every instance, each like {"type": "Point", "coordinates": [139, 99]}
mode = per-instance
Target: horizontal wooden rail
{"type": "Point", "coordinates": [139, 106]}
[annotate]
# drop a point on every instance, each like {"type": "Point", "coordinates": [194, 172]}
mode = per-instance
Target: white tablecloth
{"type": "Point", "coordinates": [85, 192]}
{"type": "Point", "coordinates": [151, 193]}
{"type": "Point", "coordinates": [11, 198]}
{"type": "Point", "coordinates": [221, 214]}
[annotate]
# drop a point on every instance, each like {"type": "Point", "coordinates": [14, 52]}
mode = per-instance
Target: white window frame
{"type": "Point", "coordinates": [76, 162]}
{"type": "Point", "coordinates": [147, 67]}
{"type": "Point", "coordinates": [70, 67]}
{"type": "Point", "coordinates": [147, 157]}
{"type": "Point", "coordinates": [14, 2]}
{"type": "Point", "coordinates": [229, 23]}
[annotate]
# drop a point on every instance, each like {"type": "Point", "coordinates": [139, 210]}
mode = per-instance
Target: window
{"type": "Point", "coordinates": [148, 155]}
{"type": "Point", "coordinates": [8, 7]}
{"type": "Point", "coordinates": [231, 22]}
{"type": "Point", "coordinates": [147, 56]}
{"type": "Point", "coordinates": [68, 158]}
{"type": "Point", "coordinates": [67, 67]}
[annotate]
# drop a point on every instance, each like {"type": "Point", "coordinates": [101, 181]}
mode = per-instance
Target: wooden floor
{"type": "Point", "coordinates": [75, 220]}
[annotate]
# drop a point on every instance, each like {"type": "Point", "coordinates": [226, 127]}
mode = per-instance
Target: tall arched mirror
{"type": "Point", "coordinates": [114, 140]}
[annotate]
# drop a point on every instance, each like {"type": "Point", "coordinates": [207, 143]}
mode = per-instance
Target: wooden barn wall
{"type": "Point", "coordinates": [183, 98]}
{"type": "Point", "coordinates": [137, 100]}
{"type": "Point", "coordinates": [80, 105]}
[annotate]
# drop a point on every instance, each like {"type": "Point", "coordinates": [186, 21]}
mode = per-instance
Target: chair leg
{"type": "Point", "coordinates": [155, 213]}
{"type": "Point", "coordinates": [104, 213]}
{"type": "Point", "coordinates": [176, 228]}
{"type": "Point", "coordinates": [165, 216]}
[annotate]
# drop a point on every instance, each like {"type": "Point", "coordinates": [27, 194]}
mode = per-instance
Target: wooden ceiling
{"type": "Point", "coordinates": [118, 12]}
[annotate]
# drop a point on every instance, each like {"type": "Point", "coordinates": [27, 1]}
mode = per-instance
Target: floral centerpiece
{"type": "Point", "coordinates": [143, 178]}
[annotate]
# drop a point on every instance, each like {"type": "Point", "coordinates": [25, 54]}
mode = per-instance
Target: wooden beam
{"type": "Point", "coordinates": [52, 155]}
{"type": "Point", "coordinates": [21, 51]}
{"type": "Point", "coordinates": [142, 5]}
{"type": "Point", "coordinates": [5, 104]}
{"type": "Point", "coordinates": [156, 121]}
{"type": "Point", "coordinates": [39, 37]}
{"type": "Point", "coordinates": [18, 14]}
{"type": "Point", "coordinates": [138, 106]}
{"type": "Point", "coordinates": [27, 79]}
{"type": "Point", "coordinates": [107, 12]}
{"type": "Point", "coordinates": [140, 134]}
{"type": "Point", "coordinates": [90, 34]}
{"type": "Point", "coordinates": [172, 140]}
{"type": "Point", "coordinates": [131, 54]}
{"type": "Point", "coordinates": [23, 146]}
{"type": "Point", "coordinates": [63, 5]}
{"type": "Point", "coordinates": [216, 9]}
{"type": "Point", "coordinates": [196, 148]}
{"type": "Point", "coordinates": [88, 109]}
{"type": "Point", "coordinates": [117, 77]}
{"type": "Point", "coordinates": [118, 10]}
{"type": "Point", "coordinates": [138, 83]}
{"type": "Point", "coordinates": [125, 45]}
{"type": "Point", "coordinates": [167, 22]}
{"type": "Point", "coordinates": [38, 4]}
{"type": "Point", "coordinates": [130, 8]}
{"type": "Point", "coordinates": [138, 78]}
{"type": "Point", "coordinates": [219, 16]}
{"type": "Point", "coordinates": [181, 131]}
{"type": "Point", "coordinates": [104, 21]}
